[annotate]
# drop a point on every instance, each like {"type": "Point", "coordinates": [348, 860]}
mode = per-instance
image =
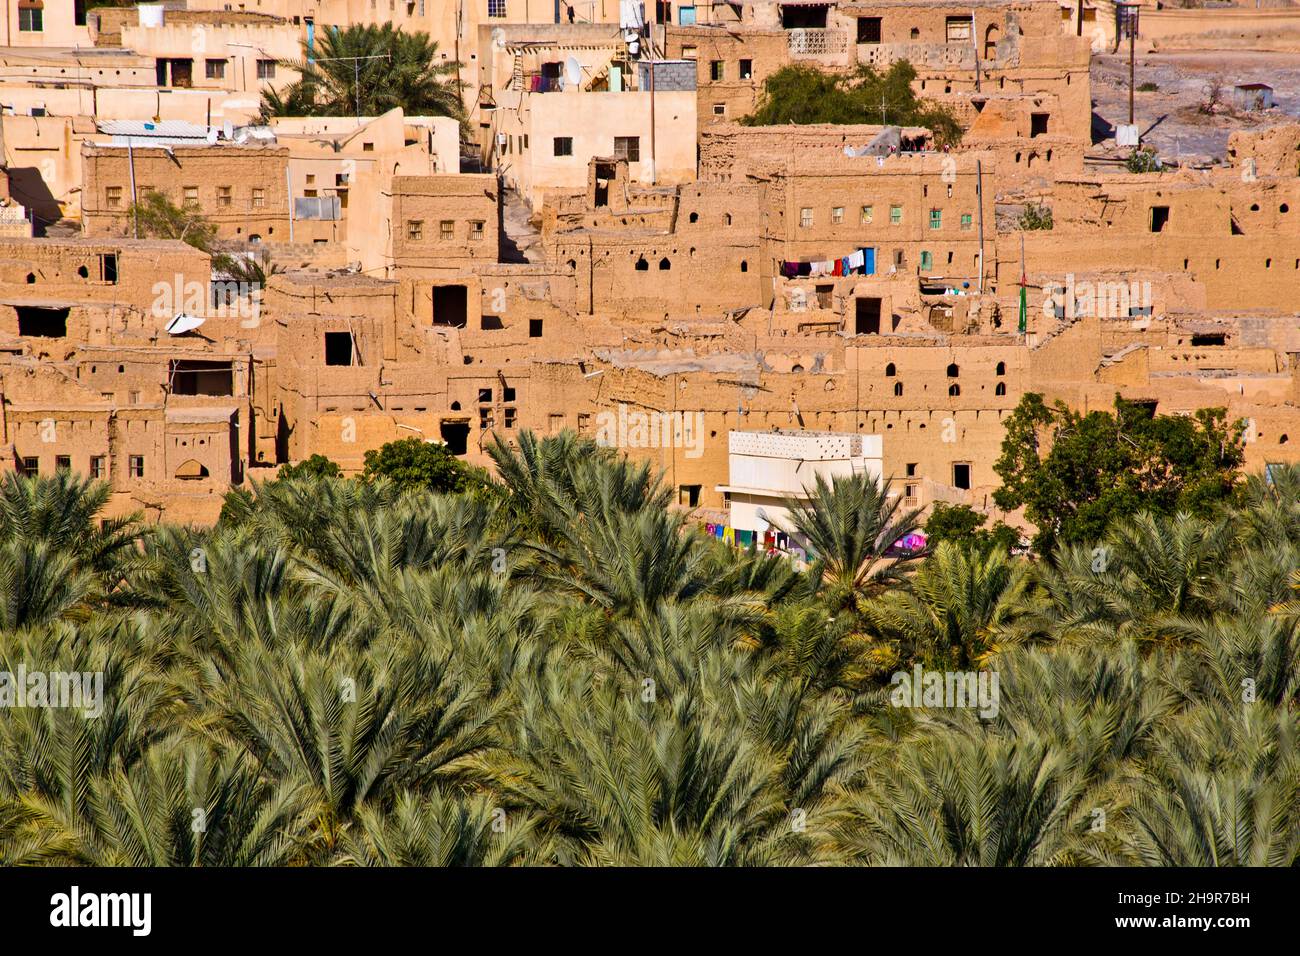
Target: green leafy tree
{"type": "Point", "coordinates": [1144, 159]}
{"type": "Point", "coordinates": [412, 463]}
{"type": "Point", "coordinates": [368, 70]}
{"type": "Point", "coordinates": [1076, 472]}
{"type": "Point", "coordinates": [317, 466]}
{"type": "Point", "coordinates": [805, 94]}
{"type": "Point", "coordinates": [157, 217]}
{"type": "Point", "coordinates": [160, 218]}
{"type": "Point", "coordinates": [1036, 216]}
{"type": "Point", "coordinates": [963, 524]}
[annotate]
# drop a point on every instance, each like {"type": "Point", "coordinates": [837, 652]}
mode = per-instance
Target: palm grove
{"type": "Point", "coordinates": [553, 667]}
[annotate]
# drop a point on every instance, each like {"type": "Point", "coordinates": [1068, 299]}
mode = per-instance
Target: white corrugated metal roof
{"type": "Point", "coordinates": [166, 128]}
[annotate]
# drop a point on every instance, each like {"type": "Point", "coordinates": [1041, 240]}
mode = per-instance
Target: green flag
{"type": "Point", "coordinates": [1024, 307]}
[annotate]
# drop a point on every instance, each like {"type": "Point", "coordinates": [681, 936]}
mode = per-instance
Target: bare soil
{"type": "Point", "coordinates": [1171, 118]}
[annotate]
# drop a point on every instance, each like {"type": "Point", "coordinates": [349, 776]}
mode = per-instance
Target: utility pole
{"type": "Point", "coordinates": [1127, 22]}
{"type": "Point", "coordinates": [979, 203]}
{"type": "Point", "coordinates": [1132, 70]}
{"type": "Point", "coordinates": [135, 200]}
{"type": "Point", "coordinates": [650, 37]}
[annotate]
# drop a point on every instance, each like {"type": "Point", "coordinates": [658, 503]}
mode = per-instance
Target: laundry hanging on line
{"type": "Point", "coordinates": [858, 262]}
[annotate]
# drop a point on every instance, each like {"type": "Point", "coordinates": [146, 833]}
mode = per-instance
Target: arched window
{"type": "Point", "coordinates": [1002, 368]}
{"type": "Point", "coordinates": [695, 217]}
{"type": "Point", "coordinates": [953, 370]}
{"type": "Point", "coordinates": [642, 265]}
{"type": "Point", "coordinates": [191, 470]}
{"type": "Point", "coordinates": [991, 42]}
{"type": "Point", "coordinates": [744, 266]}
{"type": "Point", "coordinates": [898, 389]}
{"type": "Point", "coordinates": [664, 264]}
{"type": "Point", "coordinates": [890, 371]}
{"type": "Point", "coordinates": [954, 390]}
{"type": "Point", "coordinates": [1000, 389]}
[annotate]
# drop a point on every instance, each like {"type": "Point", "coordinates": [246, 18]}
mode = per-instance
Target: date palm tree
{"type": "Point", "coordinates": [367, 70]}
{"type": "Point", "coordinates": [961, 606]}
{"type": "Point", "coordinates": [852, 524]}
{"type": "Point", "coordinates": [440, 829]}
{"type": "Point", "coordinates": [1222, 789]}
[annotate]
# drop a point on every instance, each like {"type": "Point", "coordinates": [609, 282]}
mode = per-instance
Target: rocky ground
{"type": "Point", "coordinates": [1171, 118]}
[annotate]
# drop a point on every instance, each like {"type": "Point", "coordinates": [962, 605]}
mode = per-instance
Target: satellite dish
{"type": "Point", "coordinates": [184, 323]}
{"type": "Point", "coordinates": [499, 38]}
{"type": "Point", "coordinates": [572, 71]}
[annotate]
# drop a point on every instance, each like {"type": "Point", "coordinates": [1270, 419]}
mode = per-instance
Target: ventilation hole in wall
{"type": "Point", "coordinates": [31, 278]}
{"type": "Point", "coordinates": [83, 272]}
{"type": "Point", "coordinates": [695, 217]}
{"type": "Point", "coordinates": [1281, 439]}
{"type": "Point", "coordinates": [664, 264]}
{"type": "Point", "coordinates": [642, 265]}
{"type": "Point", "coordinates": [1284, 208]}
{"type": "Point", "coordinates": [744, 266]}
{"type": "Point", "coordinates": [455, 406]}
{"type": "Point", "coordinates": [469, 360]}
{"type": "Point", "coordinates": [1254, 207]}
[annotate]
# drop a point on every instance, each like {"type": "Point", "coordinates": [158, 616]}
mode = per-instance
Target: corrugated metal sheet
{"type": "Point", "coordinates": [325, 208]}
{"type": "Point", "coordinates": [169, 129]}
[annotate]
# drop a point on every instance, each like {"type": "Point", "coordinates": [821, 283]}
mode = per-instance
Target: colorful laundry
{"type": "Point", "coordinates": [858, 262]}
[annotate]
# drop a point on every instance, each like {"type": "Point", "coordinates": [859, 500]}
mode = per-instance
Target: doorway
{"type": "Point", "coordinates": [867, 318]}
